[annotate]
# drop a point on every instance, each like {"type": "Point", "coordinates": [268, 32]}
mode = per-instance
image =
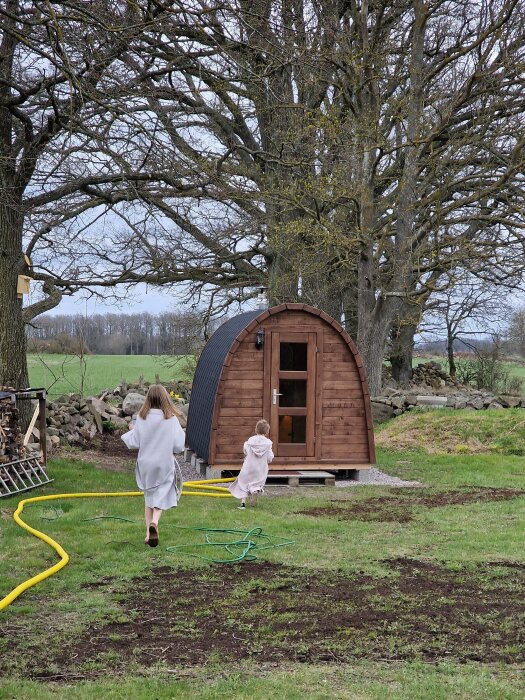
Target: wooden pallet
{"type": "Point", "coordinates": [296, 478]}
{"type": "Point", "coordinates": [22, 475]}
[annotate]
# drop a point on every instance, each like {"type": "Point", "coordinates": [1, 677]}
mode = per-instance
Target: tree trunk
{"type": "Point", "coordinates": [371, 343]}
{"type": "Point", "coordinates": [375, 317]}
{"type": "Point", "coordinates": [450, 354]}
{"type": "Point", "coordinates": [401, 355]}
{"type": "Point", "coordinates": [13, 361]}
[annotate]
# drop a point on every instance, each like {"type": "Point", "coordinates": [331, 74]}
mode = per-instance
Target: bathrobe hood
{"type": "Point", "coordinates": [259, 445]}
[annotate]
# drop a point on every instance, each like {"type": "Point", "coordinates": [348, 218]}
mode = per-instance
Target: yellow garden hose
{"type": "Point", "coordinates": [201, 485]}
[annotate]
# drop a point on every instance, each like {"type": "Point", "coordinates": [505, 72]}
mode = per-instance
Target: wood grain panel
{"type": "Point", "coordinates": [244, 385]}
{"type": "Point", "coordinates": [230, 391]}
{"type": "Point", "coordinates": [333, 346]}
{"type": "Point", "coordinates": [334, 411]}
{"type": "Point", "coordinates": [348, 451]}
{"type": "Point", "coordinates": [245, 402]}
{"type": "Point", "coordinates": [344, 413]}
{"type": "Point", "coordinates": [342, 354]}
{"type": "Point", "coordinates": [333, 395]}
{"type": "Point", "coordinates": [341, 380]}
{"type": "Point", "coordinates": [348, 418]}
{"type": "Point", "coordinates": [252, 411]}
{"type": "Point", "coordinates": [345, 368]}
{"type": "Point", "coordinates": [293, 465]}
{"type": "Point", "coordinates": [341, 384]}
{"type": "Point", "coordinates": [243, 354]}
{"type": "Point", "coordinates": [242, 423]}
{"type": "Point", "coordinates": [239, 363]}
{"type": "Point", "coordinates": [299, 318]}
{"type": "Point", "coordinates": [238, 375]}
{"type": "Point", "coordinates": [295, 449]}
{"type": "Point", "coordinates": [344, 436]}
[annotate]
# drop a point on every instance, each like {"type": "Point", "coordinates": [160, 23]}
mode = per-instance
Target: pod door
{"type": "Point", "coordinates": [292, 392]}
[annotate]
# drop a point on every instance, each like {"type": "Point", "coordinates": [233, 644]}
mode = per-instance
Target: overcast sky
{"type": "Point", "coordinates": [144, 299]}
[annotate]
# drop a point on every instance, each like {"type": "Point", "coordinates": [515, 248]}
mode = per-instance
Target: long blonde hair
{"type": "Point", "coordinates": [157, 397]}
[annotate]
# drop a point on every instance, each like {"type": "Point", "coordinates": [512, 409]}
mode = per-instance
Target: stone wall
{"type": "Point", "coordinates": [431, 387]}
{"type": "Point", "coordinates": [76, 421]}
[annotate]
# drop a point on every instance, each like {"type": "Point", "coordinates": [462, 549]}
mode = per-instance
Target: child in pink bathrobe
{"type": "Point", "coordinates": [257, 455]}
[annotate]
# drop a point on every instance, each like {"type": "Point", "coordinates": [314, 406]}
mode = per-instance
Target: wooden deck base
{"type": "Point", "coordinates": [296, 478]}
{"type": "Point", "coordinates": [292, 474]}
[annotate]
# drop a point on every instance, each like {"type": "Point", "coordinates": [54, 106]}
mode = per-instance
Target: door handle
{"type": "Point", "coordinates": [275, 394]}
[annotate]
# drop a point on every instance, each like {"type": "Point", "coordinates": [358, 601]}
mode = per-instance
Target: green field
{"type": "Point", "coordinates": [61, 374]}
{"type": "Point", "coordinates": [407, 594]}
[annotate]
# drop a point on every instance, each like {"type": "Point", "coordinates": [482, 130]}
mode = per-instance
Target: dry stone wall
{"type": "Point", "coordinates": [74, 420]}
{"type": "Point", "coordinates": [431, 387]}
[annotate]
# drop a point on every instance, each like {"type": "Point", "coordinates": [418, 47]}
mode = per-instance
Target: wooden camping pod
{"type": "Point", "coordinates": [296, 367]}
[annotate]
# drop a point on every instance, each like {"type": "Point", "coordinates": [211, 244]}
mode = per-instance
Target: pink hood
{"type": "Point", "coordinates": [259, 445]}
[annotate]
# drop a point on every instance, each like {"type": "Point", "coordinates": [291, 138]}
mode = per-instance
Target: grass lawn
{"type": "Point", "coordinates": [462, 432]}
{"type": "Point", "coordinates": [398, 593]}
{"type": "Point", "coordinates": [61, 374]}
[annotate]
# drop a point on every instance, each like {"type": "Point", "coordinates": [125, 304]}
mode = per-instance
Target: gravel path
{"type": "Point", "coordinates": [368, 477]}
{"type": "Point", "coordinates": [375, 477]}
{"type": "Point", "coordinates": [189, 473]}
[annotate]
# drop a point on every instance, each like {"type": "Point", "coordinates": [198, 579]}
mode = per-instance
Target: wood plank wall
{"type": "Point", "coordinates": [344, 432]}
{"type": "Point", "coordinates": [340, 405]}
{"type": "Point", "coordinates": [240, 405]}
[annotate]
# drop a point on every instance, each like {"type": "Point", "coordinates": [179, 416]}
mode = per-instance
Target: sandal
{"type": "Point", "coordinates": [153, 535]}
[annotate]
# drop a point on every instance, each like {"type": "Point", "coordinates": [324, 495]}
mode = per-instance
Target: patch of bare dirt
{"type": "Point", "coordinates": [275, 613]}
{"type": "Point", "coordinates": [106, 451]}
{"type": "Point", "coordinates": [399, 508]}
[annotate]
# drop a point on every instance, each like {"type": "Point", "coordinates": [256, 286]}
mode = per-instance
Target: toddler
{"type": "Point", "coordinates": [257, 455]}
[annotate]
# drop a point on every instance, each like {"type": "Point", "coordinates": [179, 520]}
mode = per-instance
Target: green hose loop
{"type": "Point", "coordinates": [247, 541]}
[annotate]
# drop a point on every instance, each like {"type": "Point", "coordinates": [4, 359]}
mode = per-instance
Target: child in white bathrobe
{"type": "Point", "coordinates": [157, 435]}
{"type": "Point", "coordinates": [254, 472]}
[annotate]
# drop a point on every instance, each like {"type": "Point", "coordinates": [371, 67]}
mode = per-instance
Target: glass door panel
{"type": "Point", "coordinates": [292, 429]}
{"type": "Point", "coordinates": [293, 392]}
{"type": "Point", "coordinates": [294, 357]}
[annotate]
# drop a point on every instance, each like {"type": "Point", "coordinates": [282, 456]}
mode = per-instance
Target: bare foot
{"type": "Point", "coordinates": [153, 539]}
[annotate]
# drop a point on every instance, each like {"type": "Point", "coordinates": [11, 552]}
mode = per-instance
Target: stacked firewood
{"type": "Point", "coordinates": [11, 438]}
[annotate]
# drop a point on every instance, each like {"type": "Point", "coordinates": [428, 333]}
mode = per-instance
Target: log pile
{"type": "Point", "coordinates": [11, 438]}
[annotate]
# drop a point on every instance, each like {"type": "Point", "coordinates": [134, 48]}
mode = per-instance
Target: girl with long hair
{"type": "Point", "coordinates": [157, 435]}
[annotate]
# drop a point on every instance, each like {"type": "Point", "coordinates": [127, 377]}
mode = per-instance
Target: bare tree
{"type": "Point", "coordinates": [465, 310]}
{"type": "Point", "coordinates": [45, 82]}
{"type": "Point", "coordinates": [377, 145]}
{"type": "Point", "coordinates": [515, 332]}
{"type": "Point", "coordinates": [363, 148]}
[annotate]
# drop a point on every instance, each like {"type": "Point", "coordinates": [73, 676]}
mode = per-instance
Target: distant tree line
{"type": "Point", "coordinates": [168, 333]}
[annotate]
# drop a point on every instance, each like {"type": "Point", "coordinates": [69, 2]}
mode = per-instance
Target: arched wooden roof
{"type": "Point", "coordinates": [206, 381]}
{"type": "Point", "coordinates": [218, 353]}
